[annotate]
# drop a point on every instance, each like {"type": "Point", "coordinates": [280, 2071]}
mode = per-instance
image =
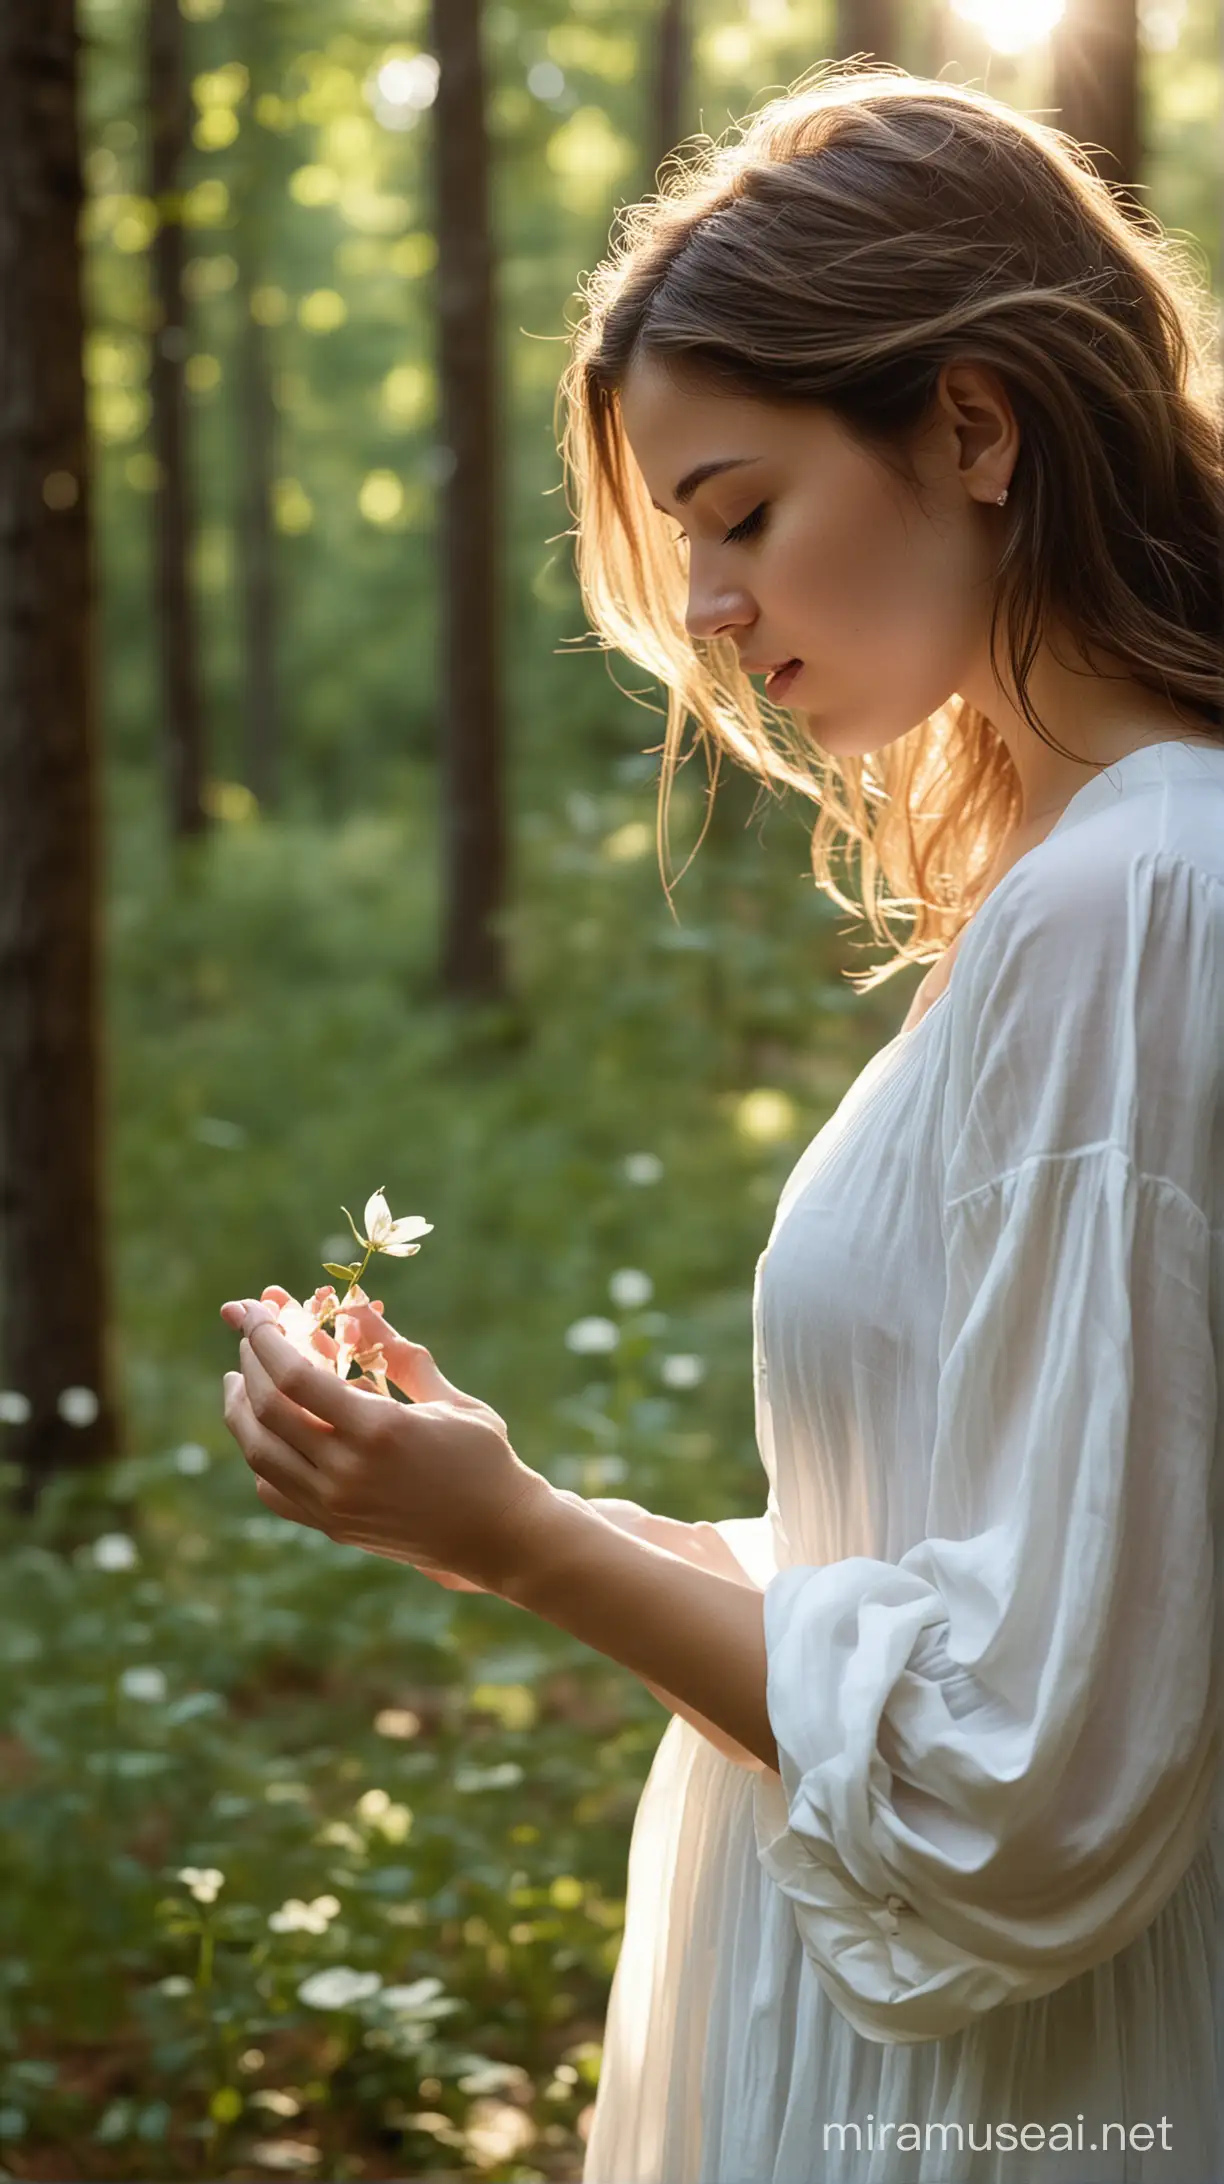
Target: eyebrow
{"type": "Point", "coordinates": [689, 483]}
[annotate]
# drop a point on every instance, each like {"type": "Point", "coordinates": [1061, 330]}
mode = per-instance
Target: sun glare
{"type": "Point", "coordinates": [1012, 26]}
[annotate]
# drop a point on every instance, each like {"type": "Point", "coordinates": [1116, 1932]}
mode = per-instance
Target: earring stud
{"type": "Point", "coordinates": [1002, 497]}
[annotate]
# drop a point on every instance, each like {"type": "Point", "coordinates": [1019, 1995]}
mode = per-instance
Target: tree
{"type": "Point", "coordinates": [869, 27]}
{"type": "Point", "coordinates": [257, 437]}
{"type": "Point", "coordinates": [673, 68]}
{"type": "Point", "coordinates": [182, 702]}
{"type": "Point", "coordinates": [475, 833]}
{"type": "Point", "coordinates": [1095, 52]}
{"type": "Point", "coordinates": [53, 1277]}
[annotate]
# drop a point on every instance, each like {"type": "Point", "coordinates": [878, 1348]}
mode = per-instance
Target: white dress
{"type": "Point", "coordinates": [986, 1890]}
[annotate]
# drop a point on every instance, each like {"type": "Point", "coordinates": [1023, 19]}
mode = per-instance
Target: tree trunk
{"type": "Point", "coordinates": [53, 1276]}
{"type": "Point", "coordinates": [182, 702]}
{"type": "Point", "coordinates": [256, 547]}
{"type": "Point", "coordinates": [474, 827]}
{"type": "Point", "coordinates": [257, 433]}
{"type": "Point", "coordinates": [870, 27]}
{"type": "Point", "coordinates": [673, 64]}
{"type": "Point", "coordinates": [1095, 56]}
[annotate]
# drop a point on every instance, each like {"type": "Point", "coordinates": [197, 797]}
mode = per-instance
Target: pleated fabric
{"type": "Point", "coordinates": [984, 1891]}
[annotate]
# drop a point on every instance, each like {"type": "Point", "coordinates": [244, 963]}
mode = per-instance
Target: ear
{"type": "Point", "coordinates": [976, 410]}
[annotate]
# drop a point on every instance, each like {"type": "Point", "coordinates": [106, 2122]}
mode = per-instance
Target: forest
{"type": "Point", "coordinates": [329, 864]}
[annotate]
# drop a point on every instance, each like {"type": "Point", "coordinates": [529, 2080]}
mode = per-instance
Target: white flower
{"type": "Point", "coordinates": [77, 1406]}
{"type": "Point", "coordinates": [506, 1776]}
{"type": "Point", "coordinates": [191, 1459]}
{"type": "Point", "coordinates": [338, 1987]}
{"type": "Point", "coordinates": [682, 1371]}
{"type": "Point", "coordinates": [629, 1287]}
{"type": "Point", "coordinates": [287, 2154]}
{"type": "Point", "coordinates": [143, 1683]}
{"type": "Point", "coordinates": [203, 1881]}
{"type": "Point", "coordinates": [174, 1985]}
{"type": "Point", "coordinates": [412, 1997]}
{"type": "Point", "coordinates": [395, 1238]}
{"type": "Point", "coordinates": [397, 1721]}
{"type": "Point", "coordinates": [641, 1167]}
{"type": "Point", "coordinates": [14, 1408]}
{"type": "Point", "coordinates": [114, 1551]}
{"type": "Point", "coordinates": [296, 1917]}
{"type": "Point", "coordinates": [592, 1337]}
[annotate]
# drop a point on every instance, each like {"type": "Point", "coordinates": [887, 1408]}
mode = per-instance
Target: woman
{"type": "Point", "coordinates": [925, 1880]}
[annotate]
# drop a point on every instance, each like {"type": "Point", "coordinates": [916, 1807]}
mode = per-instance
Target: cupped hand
{"type": "Point", "coordinates": [433, 1482]}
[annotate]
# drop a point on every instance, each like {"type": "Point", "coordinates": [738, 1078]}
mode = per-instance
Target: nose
{"type": "Point", "coordinates": [718, 617]}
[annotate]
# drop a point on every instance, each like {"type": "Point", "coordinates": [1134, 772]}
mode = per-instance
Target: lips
{"type": "Point", "coordinates": [780, 678]}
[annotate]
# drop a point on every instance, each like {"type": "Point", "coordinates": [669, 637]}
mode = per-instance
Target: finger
{"type": "Point", "coordinates": [279, 1413]}
{"type": "Point", "coordinates": [409, 1364]}
{"type": "Point", "coordinates": [281, 1506]}
{"type": "Point", "coordinates": [316, 1390]}
{"type": "Point", "coordinates": [274, 1294]}
{"type": "Point", "coordinates": [269, 1457]}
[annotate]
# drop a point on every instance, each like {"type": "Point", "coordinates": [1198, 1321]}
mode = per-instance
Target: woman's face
{"type": "Point", "coordinates": [886, 603]}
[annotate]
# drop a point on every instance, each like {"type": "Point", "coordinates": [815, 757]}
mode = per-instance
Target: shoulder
{"type": "Point", "coordinates": [1099, 911]}
{"type": "Point", "coordinates": [1087, 1009]}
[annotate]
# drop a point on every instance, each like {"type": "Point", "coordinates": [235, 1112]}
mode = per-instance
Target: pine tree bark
{"type": "Point", "coordinates": [258, 427]}
{"type": "Point", "coordinates": [174, 607]}
{"type": "Point", "coordinates": [54, 1301]}
{"type": "Point", "coordinates": [257, 547]}
{"type": "Point", "coordinates": [869, 27]}
{"type": "Point", "coordinates": [1095, 56]}
{"type": "Point", "coordinates": [672, 73]}
{"type": "Point", "coordinates": [473, 737]}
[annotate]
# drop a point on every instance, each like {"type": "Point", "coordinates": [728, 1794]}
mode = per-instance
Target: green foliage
{"type": "Point", "coordinates": [621, 1132]}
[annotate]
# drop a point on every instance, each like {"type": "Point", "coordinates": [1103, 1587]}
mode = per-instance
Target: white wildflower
{"type": "Point", "coordinates": [287, 2154]}
{"type": "Point", "coordinates": [338, 1987]}
{"type": "Point", "coordinates": [143, 1683]}
{"type": "Point", "coordinates": [592, 1337]}
{"type": "Point", "coordinates": [191, 1459]}
{"type": "Point", "coordinates": [641, 1168]}
{"type": "Point", "coordinates": [203, 1881]}
{"type": "Point", "coordinates": [77, 1406]}
{"type": "Point", "coordinates": [397, 1721]}
{"type": "Point", "coordinates": [114, 1551]}
{"type": "Point", "coordinates": [296, 1917]}
{"type": "Point", "coordinates": [629, 1288]}
{"type": "Point", "coordinates": [382, 1233]}
{"type": "Point", "coordinates": [412, 1997]}
{"type": "Point", "coordinates": [684, 1370]}
{"type": "Point", "coordinates": [14, 1408]}
{"type": "Point", "coordinates": [276, 2102]}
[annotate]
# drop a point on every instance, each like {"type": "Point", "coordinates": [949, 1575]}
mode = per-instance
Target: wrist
{"type": "Point", "coordinates": [552, 1522]}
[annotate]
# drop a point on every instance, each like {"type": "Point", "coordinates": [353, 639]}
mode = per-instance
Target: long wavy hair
{"type": "Point", "coordinates": [864, 229]}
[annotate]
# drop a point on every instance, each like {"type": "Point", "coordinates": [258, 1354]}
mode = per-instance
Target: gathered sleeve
{"type": "Point", "coordinates": [998, 1754]}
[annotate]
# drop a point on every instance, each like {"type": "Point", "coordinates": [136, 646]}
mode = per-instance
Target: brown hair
{"type": "Point", "coordinates": [867, 228]}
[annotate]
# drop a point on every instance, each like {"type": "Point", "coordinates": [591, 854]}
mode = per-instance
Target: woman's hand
{"type": "Point", "coordinates": [433, 1482]}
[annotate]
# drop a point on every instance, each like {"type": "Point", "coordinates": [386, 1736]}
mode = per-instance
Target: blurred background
{"type": "Point", "coordinates": [328, 862]}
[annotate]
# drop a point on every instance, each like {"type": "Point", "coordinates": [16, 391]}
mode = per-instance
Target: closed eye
{"type": "Point", "coordinates": [740, 531]}
{"type": "Point", "coordinates": [748, 528]}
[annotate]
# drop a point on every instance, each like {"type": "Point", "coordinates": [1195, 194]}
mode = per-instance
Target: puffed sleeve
{"type": "Point", "coordinates": [754, 1541]}
{"type": "Point", "coordinates": [998, 1754]}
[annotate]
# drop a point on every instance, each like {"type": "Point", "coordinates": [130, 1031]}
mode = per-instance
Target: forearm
{"type": "Point", "coordinates": [692, 1633]}
{"type": "Point", "coordinates": [709, 1730]}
